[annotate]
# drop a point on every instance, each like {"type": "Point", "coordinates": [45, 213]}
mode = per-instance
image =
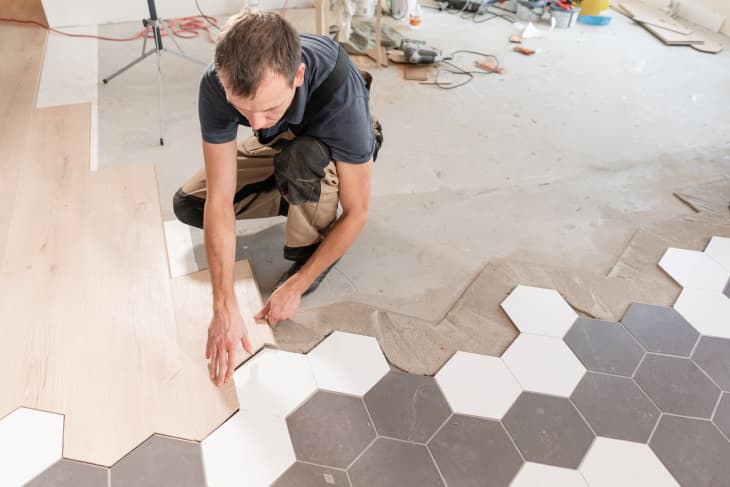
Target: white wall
{"type": "Point", "coordinates": [61, 13]}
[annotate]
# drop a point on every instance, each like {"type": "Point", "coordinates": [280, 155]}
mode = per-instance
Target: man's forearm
{"type": "Point", "coordinates": [334, 246]}
{"type": "Point", "coordinates": [220, 250]}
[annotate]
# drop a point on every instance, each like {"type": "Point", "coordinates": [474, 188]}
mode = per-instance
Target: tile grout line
{"type": "Point", "coordinates": [435, 464]}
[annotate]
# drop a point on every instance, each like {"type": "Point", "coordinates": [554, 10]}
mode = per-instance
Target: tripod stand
{"type": "Point", "coordinates": [159, 49]}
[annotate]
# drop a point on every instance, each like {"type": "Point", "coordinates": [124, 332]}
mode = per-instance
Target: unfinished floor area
{"type": "Point", "coordinates": [541, 294]}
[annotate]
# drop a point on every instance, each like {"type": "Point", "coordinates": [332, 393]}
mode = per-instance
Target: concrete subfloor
{"type": "Point", "coordinates": [557, 162]}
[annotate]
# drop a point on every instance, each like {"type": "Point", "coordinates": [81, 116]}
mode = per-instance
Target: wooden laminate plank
{"type": "Point", "coordinates": [21, 51]}
{"type": "Point", "coordinates": [195, 415]}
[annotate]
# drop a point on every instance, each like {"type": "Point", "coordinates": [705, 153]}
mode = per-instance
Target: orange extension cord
{"type": "Point", "coordinates": [183, 27]}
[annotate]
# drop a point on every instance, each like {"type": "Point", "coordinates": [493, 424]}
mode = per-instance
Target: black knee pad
{"type": "Point", "coordinates": [188, 209]}
{"type": "Point", "coordinates": [299, 169]}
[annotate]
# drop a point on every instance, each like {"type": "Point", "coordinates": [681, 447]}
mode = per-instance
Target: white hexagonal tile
{"type": "Point", "coordinates": [707, 311]}
{"type": "Point", "coordinates": [30, 442]}
{"type": "Point", "coordinates": [478, 385]}
{"type": "Point", "coordinates": [274, 382]}
{"type": "Point", "coordinates": [539, 311]}
{"type": "Point", "coordinates": [719, 250]}
{"type": "Point", "coordinates": [693, 269]}
{"type": "Point", "coordinates": [348, 363]}
{"type": "Point", "coordinates": [544, 364]}
{"type": "Point", "coordinates": [249, 449]}
{"type": "Point", "coordinates": [612, 462]}
{"type": "Point", "coordinates": [539, 475]}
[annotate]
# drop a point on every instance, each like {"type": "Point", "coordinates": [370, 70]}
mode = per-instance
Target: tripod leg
{"type": "Point", "coordinates": [158, 48]}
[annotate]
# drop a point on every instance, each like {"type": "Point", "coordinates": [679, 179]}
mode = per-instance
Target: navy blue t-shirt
{"type": "Point", "coordinates": [343, 123]}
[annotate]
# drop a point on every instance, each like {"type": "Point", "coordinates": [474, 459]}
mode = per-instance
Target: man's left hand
{"type": "Point", "coordinates": [282, 304]}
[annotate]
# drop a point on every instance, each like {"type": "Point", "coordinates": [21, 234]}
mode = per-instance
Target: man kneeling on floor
{"type": "Point", "coordinates": [312, 148]}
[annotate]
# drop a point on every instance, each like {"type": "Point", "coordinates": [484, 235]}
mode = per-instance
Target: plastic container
{"type": "Point", "coordinates": [530, 11]}
{"type": "Point", "coordinates": [415, 17]}
{"type": "Point", "coordinates": [363, 8]}
{"type": "Point", "coordinates": [594, 19]}
{"type": "Point", "coordinates": [564, 19]}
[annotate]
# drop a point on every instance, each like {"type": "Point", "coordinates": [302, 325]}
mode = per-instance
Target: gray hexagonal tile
{"type": "Point", "coordinates": [726, 291]}
{"type": "Point", "coordinates": [604, 346]}
{"type": "Point", "coordinates": [722, 415]}
{"type": "Point", "coordinates": [548, 429]}
{"type": "Point", "coordinates": [308, 475]}
{"type": "Point", "coordinates": [693, 450]}
{"type": "Point", "coordinates": [713, 356]}
{"type": "Point", "coordinates": [660, 329]}
{"type": "Point", "coordinates": [615, 407]}
{"type": "Point", "coordinates": [677, 386]}
{"type": "Point", "coordinates": [330, 429]}
{"type": "Point", "coordinates": [68, 473]}
{"type": "Point", "coordinates": [469, 450]}
{"type": "Point", "coordinates": [160, 461]}
{"type": "Point", "coordinates": [407, 407]}
{"type": "Point", "coordinates": [389, 463]}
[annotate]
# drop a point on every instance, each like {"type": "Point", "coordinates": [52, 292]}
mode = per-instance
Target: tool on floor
{"type": "Point", "coordinates": [154, 24]}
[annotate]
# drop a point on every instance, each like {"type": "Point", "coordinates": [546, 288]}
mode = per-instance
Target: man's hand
{"type": "Point", "coordinates": [227, 329]}
{"type": "Point", "coordinates": [283, 303]}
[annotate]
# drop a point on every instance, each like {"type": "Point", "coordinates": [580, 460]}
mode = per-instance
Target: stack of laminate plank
{"type": "Point", "coordinates": [666, 28]}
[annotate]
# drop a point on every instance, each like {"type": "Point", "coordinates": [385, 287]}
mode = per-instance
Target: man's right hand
{"type": "Point", "coordinates": [227, 329]}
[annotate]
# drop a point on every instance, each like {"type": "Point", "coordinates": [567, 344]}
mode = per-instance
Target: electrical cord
{"type": "Point", "coordinates": [493, 15]}
{"type": "Point", "coordinates": [458, 70]}
{"type": "Point", "coordinates": [183, 27]}
{"type": "Point", "coordinates": [206, 17]}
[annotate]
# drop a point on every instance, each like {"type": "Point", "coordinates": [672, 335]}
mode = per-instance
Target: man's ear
{"type": "Point", "coordinates": [299, 77]}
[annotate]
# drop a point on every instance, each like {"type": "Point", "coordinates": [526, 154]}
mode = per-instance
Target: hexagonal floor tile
{"type": "Point", "coordinates": [251, 446]}
{"type": "Point", "coordinates": [707, 311]}
{"type": "Point", "coordinates": [68, 473]}
{"type": "Point", "coordinates": [610, 463]}
{"type": "Point", "coordinates": [308, 475]}
{"type": "Point", "coordinates": [677, 386]}
{"type": "Point", "coordinates": [604, 346]}
{"type": "Point", "coordinates": [160, 461]}
{"type": "Point", "coordinates": [478, 385]}
{"type": "Point", "coordinates": [548, 430]}
{"type": "Point", "coordinates": [660, 329]}
{"type": "Point", "coordinates": [469, 450]}
{"type": "Point", "coordinates": [348, 363]}
{"type": "Point", "coordinates": [30, 442]}
{"type": "Point", "coordinates": [713, 356]}
{"type": "Point", "coordinates": [544, 364]}
{"type": "Point", "coordinates": [392, 462]}
{"type": "Point", "coordinates": [615, 407]}
{"type": "Point", "coordinates": [719, 250]}
{"type": "Point", "coordinates": [693, 450]}
{"type": "Point", "coordinates": [274, 382]}
{"type": "Point", "coordinates": [693, 269]}
{"type": "Point", "coordinates": [407, 407]}
{"type": "Point", "coordinates": [539, 475]}
{"type": "Point", "coordinates": [539, 311]}
{"type": "Point", "coordinates": [330, 429]}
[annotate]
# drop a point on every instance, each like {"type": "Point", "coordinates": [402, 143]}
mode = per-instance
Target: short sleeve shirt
{"type": "Point", "coordinates": [342, 123]}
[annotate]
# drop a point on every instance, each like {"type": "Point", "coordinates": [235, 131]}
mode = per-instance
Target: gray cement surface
{"type": "Point", "coordinates": [558, 161]}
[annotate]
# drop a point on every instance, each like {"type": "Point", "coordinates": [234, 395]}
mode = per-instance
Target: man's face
{"type": "Point", "coordinates": [270, 102]}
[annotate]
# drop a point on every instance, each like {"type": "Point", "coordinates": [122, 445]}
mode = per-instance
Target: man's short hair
{"type": "Point", "coordinates": [252, 44]}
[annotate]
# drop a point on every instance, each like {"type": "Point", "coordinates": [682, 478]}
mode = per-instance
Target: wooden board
{"type": "Point", "coordinates": [674, 27]}
{"type": "Point", "coordinates": [21, 49]}
{"type": "Point", "coordinates": [673, 38]}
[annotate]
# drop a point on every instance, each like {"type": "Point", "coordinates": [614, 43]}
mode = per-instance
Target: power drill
{"type": "Point", "coordinates": [416, 53]}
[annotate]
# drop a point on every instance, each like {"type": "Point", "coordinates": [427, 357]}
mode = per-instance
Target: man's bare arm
{"type": "Point", "coordinates": [227, 328]}
{"type": "Point", "coordinates": [355, 199]}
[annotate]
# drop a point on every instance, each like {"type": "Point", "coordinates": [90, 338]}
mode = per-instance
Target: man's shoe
{"type": "Point", "coordinates": [296, 267]}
